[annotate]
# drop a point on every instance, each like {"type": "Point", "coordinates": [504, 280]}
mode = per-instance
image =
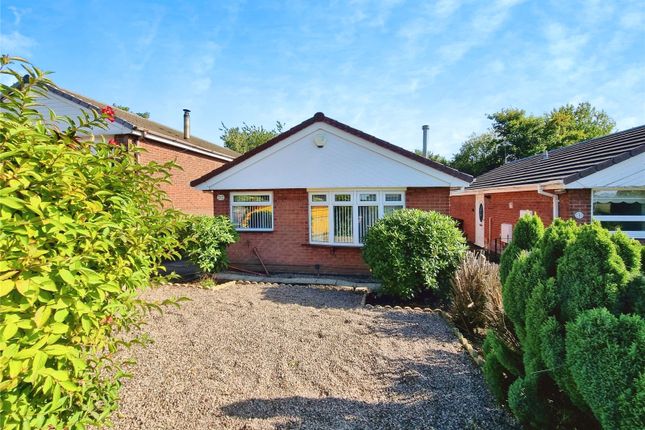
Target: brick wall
{"type": "Point", "coordinates": [287, 248]}
{"type": "Point", "coordinates": [576, 201]}
{"type": "Point", "coordinates": [505, 208]}
{"type": "Point", "coordinates": [194, 165]}
{"type": "Point", "coordinates": [463, 208]}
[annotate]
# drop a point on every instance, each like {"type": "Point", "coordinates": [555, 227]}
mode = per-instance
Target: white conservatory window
{"type": "Point", "coordinates": [252, 211]}
{"type": "Point", "coordinates": [624, 209]}
{"type": "Point", "coordinates": [344, 217]}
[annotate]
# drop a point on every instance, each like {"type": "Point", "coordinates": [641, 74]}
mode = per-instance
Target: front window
{"type": "Point", "coordinates": [252, 211]}
{"type": "Point", "coordinates": [344, 217]}
{"type": "Point", "coordinates": [620, 209]}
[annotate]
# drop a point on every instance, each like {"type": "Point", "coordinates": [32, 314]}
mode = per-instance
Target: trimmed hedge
{"type": "Point", "coordinates": [581, 358]}
{"type": "Point", "coordinates": [414, 252]}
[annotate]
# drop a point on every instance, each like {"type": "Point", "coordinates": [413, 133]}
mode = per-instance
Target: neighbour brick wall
{"type": "Point", "coordinates": [182, 196]}
{"type": "Point", "coordinates": [287, 248]}
{"type": "Point", "coordinates": [463, 208]}
{"type": "Point", "coordinates": [576, 201]}
{"type": "Point", "coordinates": [498, 210]}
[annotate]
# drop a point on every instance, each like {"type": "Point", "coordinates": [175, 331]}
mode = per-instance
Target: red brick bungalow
{"type": "Point", "coordinates": [601, 179]}
{"type": "Point", "coordinates": [303, 201]}
{"type": "Point", "coordinates": [162, 144]}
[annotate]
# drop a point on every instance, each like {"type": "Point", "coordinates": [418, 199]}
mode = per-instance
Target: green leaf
{"type": "Point", "coordinates": [9, 330]}
{"type": "Point", "coordinates": [67, 276]}
{"type": "Point", "coordinates": [58, 375]}
{"type": "Point", "coordinates": [6, 287]}
{"type": "Point", "coordinates": [60, 315]}
{"type": "Point", "coordinates": [40, 358]}
{"type": "Point", "coordinates": [15, 367]}
{"type": "Point", "coordinates": [59, 328]}
{"type": "Point", "coordinates": [69, 385]}
{"type": "Point", "coordinates": [12, 202]}
{"type": "Point", "coordinates": [42, 315]}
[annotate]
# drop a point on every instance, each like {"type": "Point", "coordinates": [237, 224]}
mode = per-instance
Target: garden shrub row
{"type": "Point", "coordinates": [81, 230]}
{"type": "Point", "coordinates": [575, 297]}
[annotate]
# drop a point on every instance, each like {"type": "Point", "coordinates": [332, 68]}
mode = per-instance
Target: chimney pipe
{"type": "Point", "coordinates": [186, 124]}
{"type": "Point", "coordinates": [425, 140]}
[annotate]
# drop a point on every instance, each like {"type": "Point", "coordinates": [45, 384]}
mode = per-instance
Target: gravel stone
{"type": "Point", "coordinates": [264, 356]}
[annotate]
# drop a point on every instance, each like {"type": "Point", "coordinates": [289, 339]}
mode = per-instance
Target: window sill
{"type": "Point", "coordinates": [244, 230]}
{"type": "Point", "coordinates": [332, 245]}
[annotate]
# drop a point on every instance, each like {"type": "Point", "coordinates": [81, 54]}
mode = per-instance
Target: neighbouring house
{"type": "Point", "coordinates": [599, 179]}
{"type": "Point", "coordinates": [161, 143]}
{"type": "Point", "coordinates": [303, 201]}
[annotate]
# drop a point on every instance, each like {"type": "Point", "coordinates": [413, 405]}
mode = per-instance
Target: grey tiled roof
{"type": "Point", "coordinates": [567, 164]}
{"type": "Point", "coordinates": [146, 124]}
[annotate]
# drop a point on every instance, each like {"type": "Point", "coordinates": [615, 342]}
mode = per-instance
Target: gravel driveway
{"type": "Point", "coordinates": [267, 356]}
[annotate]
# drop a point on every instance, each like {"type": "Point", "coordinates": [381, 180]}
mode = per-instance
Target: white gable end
{"type": "Point", "coordinates": [629, 173]}
{"type": "Point", "coordinates": [322, 156]}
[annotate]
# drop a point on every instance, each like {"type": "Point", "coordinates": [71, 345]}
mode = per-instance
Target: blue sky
{"type": "Point", "coordinates": [385, 67]}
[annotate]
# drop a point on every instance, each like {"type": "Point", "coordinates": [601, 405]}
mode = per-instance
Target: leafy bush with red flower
{"type": "Point", "coordinates": [82, 230]}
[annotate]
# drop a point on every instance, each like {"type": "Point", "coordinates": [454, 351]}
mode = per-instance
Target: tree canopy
{"type": "Point", "coordinates": [145, 115]}
{"type": "Point", "coordinates": [515, 134]}
{"type": "Point", "coordinates": [247, 137]}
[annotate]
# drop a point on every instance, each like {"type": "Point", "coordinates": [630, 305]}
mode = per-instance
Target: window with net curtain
{"type": "Point", "coordinates": [252, 211]}
{"type": "Point", "coordinates": [344, 217]}
{"type": "Point", "coordinates": [622, 209]}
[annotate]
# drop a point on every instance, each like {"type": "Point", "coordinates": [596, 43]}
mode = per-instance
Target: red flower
{"type": "Point", "coordinates": [113, 142]}
{"type": "Point", "coordinates": [108, 112]}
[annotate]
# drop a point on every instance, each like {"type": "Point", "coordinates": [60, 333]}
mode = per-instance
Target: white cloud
{"type": "Point", "coordinates": [16, 44]}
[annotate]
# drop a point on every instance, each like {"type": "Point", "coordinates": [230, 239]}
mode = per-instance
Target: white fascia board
{"type": "Point", "coordinates": [172, 142]}
{"type": "Point", "coordinates": [626, 174]}
{"type": "Point", "coordinates": [438, 178]}
{"type": "Point", "coordinates": [551, 185]}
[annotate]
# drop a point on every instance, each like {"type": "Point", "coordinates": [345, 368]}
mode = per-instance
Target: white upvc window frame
{"type": "Point", "coordinates": [355, 202]}
{"type": "Point", "coordinates": [232, 204]}
{"type": "Point", "coordinates": [637, 218]}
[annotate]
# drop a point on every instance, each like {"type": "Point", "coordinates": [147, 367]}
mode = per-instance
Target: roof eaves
{"type": "Point", "coordinates": [320, 117]}
{"type": "Point", "coordinates": [605, 164]}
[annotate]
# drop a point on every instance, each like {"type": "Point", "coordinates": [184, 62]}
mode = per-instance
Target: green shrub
{"type": "Point", "coordinates": [590, 273]}
{"type": "Point", "coordinates": [528, 230]}
{"type": "Point", "coordinates": [554, 241]}
{"type": "Point", "coordinates": [501, 367]}
{"type": "Point", "coordinates": [527, 272]}
{"type": "Point", "coordinates": [606, 355]}
{"type": "Point", "coordinates": [205, 239]}
{"type": "Point", "coordinates": [476, 293]}
{"type": "Point", "coordinates": [629, 251]}
{"type": "Point", "coordinates": [631, 298]}
{"type": "Point", "coordinates": [81, 232]}
{"type": "Point", "coordinates": [540, 305]}
{"type": "Point", "coordinates": [414, 252]}
{"type": "Point", "coordinates": [567, 272]}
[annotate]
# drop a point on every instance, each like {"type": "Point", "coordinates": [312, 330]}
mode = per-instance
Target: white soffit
{"type": "Point", "coordinates": [344, 160]}
{"type": "Point", "coordinates": [628, 173]}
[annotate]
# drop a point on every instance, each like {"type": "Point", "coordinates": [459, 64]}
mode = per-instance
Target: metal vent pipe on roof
{"type": "Point", "coordinates": [425, 140]}
{"type": "Point", "coordinates": [186, 123]}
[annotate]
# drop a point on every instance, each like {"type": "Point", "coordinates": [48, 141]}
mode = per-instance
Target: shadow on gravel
{"type": "Point", "coordinates": [337, 413]}
{"type": "Point", "coordinates": [316, 297]}
{"type": "Point", "coordinates": [414, 325]}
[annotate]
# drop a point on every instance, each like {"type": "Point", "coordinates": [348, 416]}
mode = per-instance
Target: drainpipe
{"type": "Point", "coordinates": [556, 200]}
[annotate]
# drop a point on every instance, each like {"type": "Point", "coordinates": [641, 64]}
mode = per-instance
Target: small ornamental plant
{"type": "Point", "coordinates": [82, 230]}
{"type": "Point", "coordinates": [205, 239]}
